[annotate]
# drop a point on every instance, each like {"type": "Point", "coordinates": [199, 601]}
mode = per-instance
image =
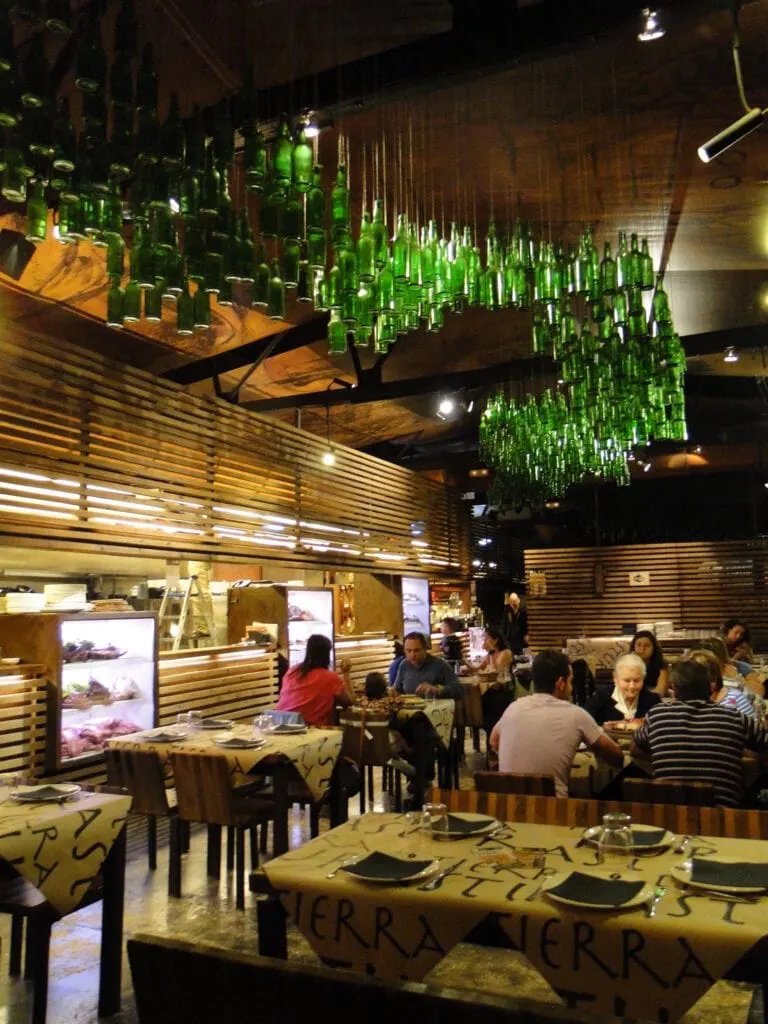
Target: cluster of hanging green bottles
{"type": "Point", "coordinates": [620, 370]}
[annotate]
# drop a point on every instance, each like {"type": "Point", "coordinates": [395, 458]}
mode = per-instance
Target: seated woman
{"type": "Point", "coordinates": [724, 676]}
{"type": "Point", "coordinates": [735, 635]}
{"type": "Point", "coordinates": [312, 689]}
{"type": "Point", "coordinates": [499, 656]}
{"type": "Point", "coordinates": [628, 700]}
{"type": "Point", "coordinates": [646, 646]}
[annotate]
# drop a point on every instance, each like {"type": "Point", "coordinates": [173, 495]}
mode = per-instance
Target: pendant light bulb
{"type": "Point", "coordinates": [328, 459]}
{"type": "Point", "coordinates": [652, 27]}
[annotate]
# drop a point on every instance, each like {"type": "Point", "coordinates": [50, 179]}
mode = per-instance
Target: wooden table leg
{"type": "Point", "coordinates": [271, 917]}
{"type": "Point", "coordinates": [338, 800]}
{"type": "Point", "coordinates": [112, 928]}
{"type": "Point", "coordinates": [280, 774]}
{"type": "Point", "coordinates": [213, 865]}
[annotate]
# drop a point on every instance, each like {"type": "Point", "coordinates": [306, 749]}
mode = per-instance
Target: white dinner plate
{"type": "Point", "coordinates": [168, 735]}
{"type": "Point", "coordinates": [643, 896]}
{"type": "Point", "coordinates": [593, 834]}
{"type": "Point", "coordinates": [418, 876]}
{"type": "Point", "coordinates": [48, 793]}
{"type": "Point", "coordinates": [682, 873]}
{"type": "Point", "coordinates": [237, 743]}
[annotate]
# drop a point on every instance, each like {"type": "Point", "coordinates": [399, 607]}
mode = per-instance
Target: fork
{"type": "Point", "coordinates": [718, 894]}
{"type": "Point", "coordinates": [436, 882]}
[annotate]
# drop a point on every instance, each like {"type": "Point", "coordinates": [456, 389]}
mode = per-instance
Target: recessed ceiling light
{"type": "Point", "coordinates": [652, 27]}
{"type": "Point", "coordinates": [731, 355]}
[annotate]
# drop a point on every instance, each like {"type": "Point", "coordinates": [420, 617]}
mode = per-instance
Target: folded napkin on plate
{"type": "Point", "coordinates": [237, 742]}
{"type": "Point", "coordinates": [601, 891]}
{"type": "Point", "coordinates": [458, 824]}
{"type": "Point", "coordinates": [714, 872]}
{"type": "Point", "coordinates": [383, 867]}
{"type": "Point", "coordinates": [288, 729]}
{"type": "Point", "coordinates": [648, 837]}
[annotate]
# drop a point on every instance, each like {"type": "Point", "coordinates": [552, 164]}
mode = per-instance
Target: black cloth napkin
{"type": "Point", "coordinates": [383, 867]}
{"type": "Point", "coordinates": [289, 730]}
{"type": "Point", "coordinates": [237, 742]}
{"type": "Point", "coordinates": [43, 793]}
{"type": "Point", "coordinates": [458, 824]}
{"type": "Point", "coordinates": [649, 837]}
{"type": "Point", "coordinates": [216, 723]}
{"type": "Point", "coordinates": [588, 889]}
{"type": "Point", "coordinates": [714, 872]}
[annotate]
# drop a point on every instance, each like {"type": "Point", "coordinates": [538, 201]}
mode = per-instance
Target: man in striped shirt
{"type": "Point", "coordinates": [695, 740]}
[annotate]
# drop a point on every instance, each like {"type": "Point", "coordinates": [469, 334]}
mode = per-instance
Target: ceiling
{"type": "Point", "coordinates": [599, 129]}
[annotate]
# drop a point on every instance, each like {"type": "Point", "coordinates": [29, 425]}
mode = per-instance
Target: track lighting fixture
{"type": "Point", "coordinates": [652, 27]}
{"type": "Point", "coordinates": [731, 135]}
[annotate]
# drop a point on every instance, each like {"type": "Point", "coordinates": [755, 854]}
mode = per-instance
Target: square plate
{"type": "Point", "coordinates": [385, 869]}
{"type": "Point", "coordinates": [461, 826]}
{"type": "Point", "coordinates": [48, 793]}
{"type": "Point", "coordinates": [238, 743]}
{"type": "Point", "coordinates": [595, 890]}
{"type": "Point", "coordinates": [217, 723]}
{"type": "Point", "coordinates": [644, 837]}
{"type": "Point", "coordinates": [683, 873]}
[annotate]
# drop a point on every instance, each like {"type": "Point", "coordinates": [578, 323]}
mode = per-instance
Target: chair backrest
{"type": "Point", "coordinates": [184, 983]}
{"type": "Point", "coordinates": [203, 788]}
{"type": "Point", "coordinates": [549, 810]}
{"type": "Point", "coordinates": [139, 773]}
{"type": "Point", "coordinates": [366, 737]}
{"type": "Point", "coordinates": [515, 782]}
{"type": "Point", "coordinates": [669, 791]}
{"type": "Point", "coordinates": [470, 708]}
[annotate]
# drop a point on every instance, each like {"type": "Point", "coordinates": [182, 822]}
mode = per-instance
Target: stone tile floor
{"type": "Point", "coordinates": [207, 912]}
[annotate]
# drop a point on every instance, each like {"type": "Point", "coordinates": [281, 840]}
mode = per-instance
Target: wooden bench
{"type": "Point", "coordinates": [181, 983]}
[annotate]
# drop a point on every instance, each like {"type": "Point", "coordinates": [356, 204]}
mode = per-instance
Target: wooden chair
{"type": "Point", "coordinates": [140, 774]}
{"type": "Point", "coordinates": [515, 782]}
{"type": "Point", "coordinates": [469, 715]}
{"type": "Point", "coordinates": [204, 793]}
{"type": "Point", "coordinates": [366, 742]}
{"type": "Point", "coordinates": [181, 983]}
{"type": "Point", "coordinates": [668, 791]}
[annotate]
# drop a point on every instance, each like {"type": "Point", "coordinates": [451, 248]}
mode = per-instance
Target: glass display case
{"type": "Point", "coordinates": [102, 675]}
{"type": "Point", "coordinates": [310, 610]}
{"type": "Point", "coordinates": [415, 605]}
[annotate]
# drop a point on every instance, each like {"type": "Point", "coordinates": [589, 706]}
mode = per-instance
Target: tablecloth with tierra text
{"type": "Point", "coordinates": [621, 963]}
{"type": "Point", "coordinates": [313, 754]}
{"type": "Point", "coordinates": [60, 848]}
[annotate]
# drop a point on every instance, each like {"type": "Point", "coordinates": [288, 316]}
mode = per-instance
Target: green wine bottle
{"type": "Point", "coordinates": [121, 88]}
{"type": "Point", "coordinates": [283, 156]}
{"type": "Point", "coordinates": [302, 163]}
{"type": "Point", "coordinates": [91, 63]}
{"type": "Point", "coordinates": [115, 255]}
{"type": "Point", "coordinates": [319, 290]}
{"type": "Point", "coordinates": [261, 276]}
{"type": "Point", "coordinates": [276, 293]}
{"type": "Point", "coordinates": [195, 149]}
{"type": "Point", "coordinates": [623, 263]}
{"type": "Point", "coordinates": [608, 283]}
{"type": "Point", "coordinates": [340, 203]}
{"type": "Point", "coordinates": [185, 313]}
{"type": "Point", "coordinates": [245, 248]}
{"type": "Point", "coordinates": [293, 216]}
{"type": "Point", "coordinates": [37, 214]}
{"type": "Point", "coordinates": [153, 304]}
{"type": "Point", "coordinates": [636, 262]}
{"type": "Point", "coordinates": [316, 204]}
{"type": "Point", "coordinates": [224, 296]}
{"type": "Point", "coordinates": [255, 157]}
{"type": "Point", "coordinates": [365, 249]}
{"type": "Point", "coordinates": [144, 267]}
{"type": "Point", "coordinates": [115, 305]}
{"type": "Point", "coordinates": [304, 285]}
{"type": "Point", "coordinates": [661, 312]}
{"type": "Point", "coordinates": [174, 275]}
{"type": "Point", "coordinates": [172, 136]}
{"type": "Point", "coordinates": [289, 264]}
{"type": "Point", "coordinates": [380, 235]}
{"type": "Point", "coordinates": [210, 189]}
{"type": "Point", "coordinates": [337, 333]}
{"type": "Point", "coordinates": [646, 267]}
{"type": "Point", "coordinates": [201, 309]}
{"type": "Point", "coordinates": [401, 252]}
{"type": "Point", "coordinates": [132, 303]}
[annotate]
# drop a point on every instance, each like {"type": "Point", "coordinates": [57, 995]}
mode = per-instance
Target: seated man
{"type": "Point", "coordinates": [540, 734]}
{"type": "Point", "coordinates": [694, 740]}
{"type": "Point", "coordinates": [424, 674]}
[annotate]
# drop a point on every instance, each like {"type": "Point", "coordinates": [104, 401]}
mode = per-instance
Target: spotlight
{"type": "Point", "coordinates": [328, 458]}
{"type": "Point", "coordinates": [446, 406]}
{"type": "Point", "coordinates": [731, 135]}
{"type": "Point", "coordinates": [476, 561]}
{"type": "Point", "coordinates": [311, 130]}
{"type": "Point", "coordinates": [731, 355]}
{"type": "Point", "coordinates": [652, 27]}
{"type": "Point", "coordinates": [471, 406]}
{"type": "Point", "coordinates": [697, 450]}
{"type": "Point", "coordinates": [647, 467]}
{"type": "Point", "coordinates": [174, 205]}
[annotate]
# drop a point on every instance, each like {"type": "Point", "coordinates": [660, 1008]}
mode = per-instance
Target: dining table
{"type": "Point", "coordinates": [651, 960]}
{"type": "Point", "coordinates": [309, 757]}
{"type": "Point", "coordinates": [60, 848]}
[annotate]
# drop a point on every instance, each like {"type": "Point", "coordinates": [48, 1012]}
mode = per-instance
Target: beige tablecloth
{"type": "Point", "coordinates": [440, 714]}
{"type": "Point", "coordinates": [614, 962]}
{"type": "Point", "coordinates": [597, 651]}
{"type": "Point", "coordinates": [313, 754]}
{"type": "Point", "coordinates": [60, 848]}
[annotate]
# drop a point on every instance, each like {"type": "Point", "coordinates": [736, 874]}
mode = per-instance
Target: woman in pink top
{"type": "Point", "coordinates": [312, 689]}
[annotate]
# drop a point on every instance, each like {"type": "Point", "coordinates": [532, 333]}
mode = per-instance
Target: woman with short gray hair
{"type": "Point", "coordinates": [627, 701]}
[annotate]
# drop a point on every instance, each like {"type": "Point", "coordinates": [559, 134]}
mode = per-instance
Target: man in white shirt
{"type": "Point", "coordinates": [539, 735]}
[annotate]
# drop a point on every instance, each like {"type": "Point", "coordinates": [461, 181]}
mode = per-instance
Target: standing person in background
{"type": "Point", "coordinates": [514, 625]}
{"type": "Point", "coordinates": [646, 646]}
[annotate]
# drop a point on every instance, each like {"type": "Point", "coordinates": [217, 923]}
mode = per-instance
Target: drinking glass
{"type": "Point", "coordinates": [8, 782]}
{"type": "Point", "coordinates": [195, 721]}
{"type": "Point", "coordinates": [434, 818]}
{"type": "Point", "coordinates": [614, 844]}
{"type": "Point", "coordinates": [182, 720]}
{"type": "Point", "coordinates": [257, 728]}
{"type": "Point", "coordinates": [265, 723]}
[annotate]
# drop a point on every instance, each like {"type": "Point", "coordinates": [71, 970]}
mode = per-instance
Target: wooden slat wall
{"type": "Point", "coordinates": [122, 459]}
{"type": "Point", "coordinates": [695, 585]}
{"type": "Point", "coordinates": [22, 717]}
{"type": "Point", "coordinates": [370, 653]}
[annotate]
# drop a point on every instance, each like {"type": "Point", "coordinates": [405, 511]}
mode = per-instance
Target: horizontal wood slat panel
{"type": "Point", "coordinates": [695, 585]}
{"type": "Point", "coordinates": [95, 453]}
